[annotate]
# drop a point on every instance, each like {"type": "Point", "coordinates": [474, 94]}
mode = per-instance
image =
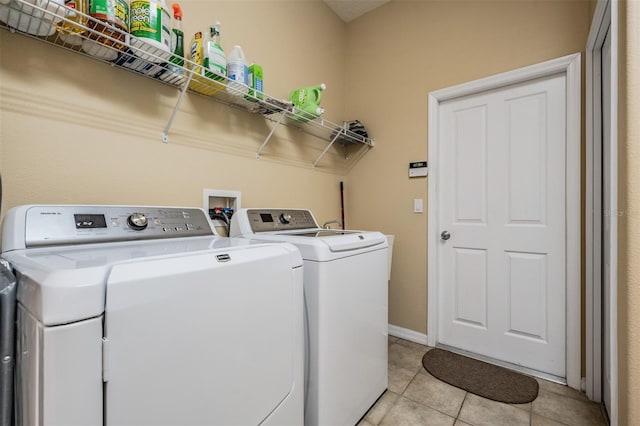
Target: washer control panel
{"type": "Point", "coordinates": [58, 225]}
{"type": "Point", "coordinates": [264, 220]}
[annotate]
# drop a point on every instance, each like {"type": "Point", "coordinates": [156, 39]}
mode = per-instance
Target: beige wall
{"type": "Point", "coordinates": [629, 217]}
{"type": "Point", "coordinates": [74, 130]}
{"type": "Point", "coordinates": [398, 54]}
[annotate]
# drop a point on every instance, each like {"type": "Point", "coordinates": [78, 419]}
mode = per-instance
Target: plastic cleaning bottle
{"type": "Point", "coordinates": [195, 52]}
{"type": "Point", "coordinates": [151, 24]}
{"type": "Point", "coordinates": [307, 101]}
{"type": "Point", "coordinates": [215, 63]}
{"type": "Point", "coordinates": [198, 82]}
{"type": "Point", "coordinates": [106, 14]}
{"type": "Point", "coordinates": [237, 71]}
{"type": "Point", "coordinates": [176, 63]}
{"type": "Point", "coordinates": [69, 33]}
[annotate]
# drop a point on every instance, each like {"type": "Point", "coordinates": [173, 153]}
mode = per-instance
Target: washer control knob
{"type": "Point", "coordinates": [137, 221]}
{"type": "Point", "coordinates": [285, 218]}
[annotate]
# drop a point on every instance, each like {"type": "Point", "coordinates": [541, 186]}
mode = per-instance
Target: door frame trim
{"type": "Point", "coordinates": [605, 17]}
{"type": "Point", "coordinates": [569, 66]}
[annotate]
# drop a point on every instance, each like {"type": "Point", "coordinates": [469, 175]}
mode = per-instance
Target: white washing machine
{"type": "Point", "coordinates": [141, 316]}
{"type": "Point", "coordinates": [346, 294]}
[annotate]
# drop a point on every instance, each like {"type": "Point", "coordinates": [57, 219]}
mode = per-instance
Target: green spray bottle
{"type": "Point", "coordinates": [176, 63]}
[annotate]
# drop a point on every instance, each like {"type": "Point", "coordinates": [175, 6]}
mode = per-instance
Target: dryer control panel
{"type": "Point", "coordinates": [264, 220]}
{"type": "Point", "coordinates": [47, 225]}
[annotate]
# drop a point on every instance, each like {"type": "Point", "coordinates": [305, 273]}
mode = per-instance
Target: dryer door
{"type": "Point", "coordinates": [200, 339]}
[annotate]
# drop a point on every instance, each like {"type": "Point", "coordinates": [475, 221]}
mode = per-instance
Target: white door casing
{"type": "Point", "coordinates": [511, 206]}
{"type": "Point", "coordinates": [606, 224]}
{"type": "Point", "coordinates": [601, 207]}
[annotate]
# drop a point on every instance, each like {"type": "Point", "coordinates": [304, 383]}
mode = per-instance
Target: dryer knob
{"type": "Point", "coordinates": [285, 218]}
{"type": "Point", "coordinates": [137, 221]}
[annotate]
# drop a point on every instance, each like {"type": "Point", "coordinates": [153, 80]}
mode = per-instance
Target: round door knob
{"type": "Point", "coordinates": [445, 235]}
{"type": "Point", "coordinates": [285, 218]}
{"type": "Point", "coordinates": [137, 221]}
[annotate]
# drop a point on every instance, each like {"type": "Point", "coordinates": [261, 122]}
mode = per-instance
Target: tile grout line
{"type": "Point", "coordinates": [549, 418]}
{"type": "Point", "coordinates": [432, 408]}
{"type": "Point", "coordinates": [402, 395]}
{"type": "Point", "coordinates": [388, 411]}
{"type": "Point", "coordinates": [460, 409]}
{"type": "Point", "coordinates": [409, 384]}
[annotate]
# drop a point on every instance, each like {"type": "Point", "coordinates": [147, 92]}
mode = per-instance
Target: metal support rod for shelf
{"type": "Point", "coordinates": [327, 148]}
{"type": "Point", "coordinates": [269, 135]}
{"type": "Point", "coordinates": [165, 133]}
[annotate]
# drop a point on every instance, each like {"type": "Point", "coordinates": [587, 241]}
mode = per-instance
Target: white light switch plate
{"type": "Point", "coordinates": [418, 205]}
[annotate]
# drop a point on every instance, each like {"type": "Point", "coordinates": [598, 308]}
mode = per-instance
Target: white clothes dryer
{"type": "Point", "coordinates": [346, 299]}
{"type": "Point", "coordinates": [142, 316]}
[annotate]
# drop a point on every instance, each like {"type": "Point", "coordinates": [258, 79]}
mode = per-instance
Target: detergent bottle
{"type": "Point", "coordinates": [237, 71]}
{"type": "Point", "coordinates": [307, 102]}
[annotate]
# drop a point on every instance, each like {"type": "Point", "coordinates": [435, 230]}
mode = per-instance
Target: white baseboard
{"type": "Point", "coordinates": [406, 334]}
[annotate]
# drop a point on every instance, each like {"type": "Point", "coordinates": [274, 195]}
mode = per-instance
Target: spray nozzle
{"type": "Point", "coordinates": [177, 11]}
{"type": "Point", "coordinates": [215, 29]}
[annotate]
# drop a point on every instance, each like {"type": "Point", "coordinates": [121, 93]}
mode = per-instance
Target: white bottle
{"type": "Point", "coordinates": [215, 63]}
{"type": "Point", "coordinates": [237, 72]}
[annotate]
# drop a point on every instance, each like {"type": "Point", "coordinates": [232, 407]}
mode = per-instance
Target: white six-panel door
{"type": "Point", "coordinates": [501, 199]}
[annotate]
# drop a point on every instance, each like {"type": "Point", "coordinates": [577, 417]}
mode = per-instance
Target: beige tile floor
{"type": "Point", "coordinates": [415, 397]}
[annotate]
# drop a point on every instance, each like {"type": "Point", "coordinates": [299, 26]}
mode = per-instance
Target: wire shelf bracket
{"type": "Point", "coordinates": [335, 138]}
{"type": "Point", "coordinates": [273, 129]}
{"type": "Point", "coordinates": [165, 133]}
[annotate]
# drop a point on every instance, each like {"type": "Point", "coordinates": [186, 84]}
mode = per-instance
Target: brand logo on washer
{"type": "Point", "coordinates": [223, 257]}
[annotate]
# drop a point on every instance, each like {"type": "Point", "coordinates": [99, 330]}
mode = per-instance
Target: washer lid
{"type": "Point", "coordinates": [338, 240]}
{"type": "Point", "coordinates": [60, 285]}
{"type": "Point", "coordinates": [328, 248]}
{"type": "Point", "coordinates": [320, 233]}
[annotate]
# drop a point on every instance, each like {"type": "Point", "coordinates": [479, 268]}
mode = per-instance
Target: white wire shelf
{"type": "Point", "coordinates": [52, 22]}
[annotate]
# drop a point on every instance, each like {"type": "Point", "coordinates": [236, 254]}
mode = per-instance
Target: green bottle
{"type": "Point", "coordinates": [307, 102]}
{"type": "Point", "coordinates": [177, 40]}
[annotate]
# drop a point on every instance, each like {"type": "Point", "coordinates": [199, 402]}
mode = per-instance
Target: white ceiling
{"type": "Point", "coordinates": [349, 10]}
